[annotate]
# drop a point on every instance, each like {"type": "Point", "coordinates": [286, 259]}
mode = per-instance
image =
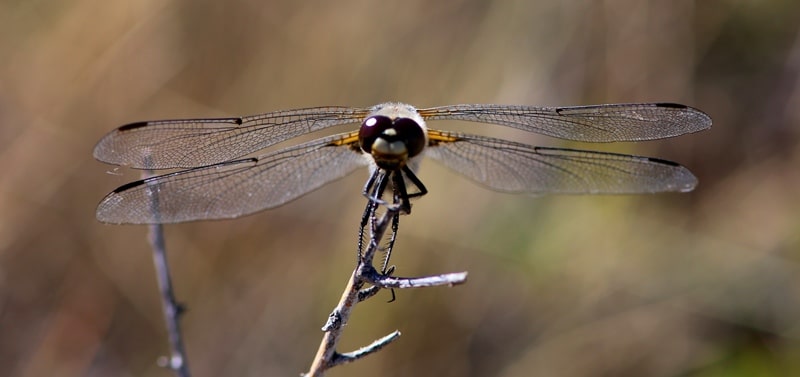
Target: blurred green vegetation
{"type": "Point", "coordinates": [698, 284]}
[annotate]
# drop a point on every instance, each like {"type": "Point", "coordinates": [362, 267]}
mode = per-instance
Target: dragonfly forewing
{"type": "Point", "coordinates": [190, 143]}
{"type": "Point", "coordinates": [597, 123]}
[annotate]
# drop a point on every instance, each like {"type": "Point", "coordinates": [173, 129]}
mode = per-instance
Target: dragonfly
{"type": "Point", "coordinates": [215, 171]}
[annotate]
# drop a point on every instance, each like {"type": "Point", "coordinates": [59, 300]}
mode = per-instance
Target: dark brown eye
{"type": "Point", "coordinates": [411, 134]}
{"type": "Point", "coordinates": [371, 129]}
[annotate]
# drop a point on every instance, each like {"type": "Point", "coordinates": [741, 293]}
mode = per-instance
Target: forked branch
{"type": "Point", "coordinates": [365, 273]}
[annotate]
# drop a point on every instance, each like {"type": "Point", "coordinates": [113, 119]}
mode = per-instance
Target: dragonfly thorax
{"type": "Point", "coordinates": [391, 142]}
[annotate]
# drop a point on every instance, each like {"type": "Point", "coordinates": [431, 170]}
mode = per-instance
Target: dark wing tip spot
{"type": "Point", "coordinates": [671, 105]}
{"type": "Point", "coordinates": [663, 162]}
{"type": "Point", "coordinates": [128, 186]}
{"type": "Point", "coordinates": [132, 126]}
{"type": "Point", "coordinates": [239, 121]}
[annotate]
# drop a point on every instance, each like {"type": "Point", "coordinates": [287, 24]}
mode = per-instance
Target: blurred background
{"type": "Point", "coordinates": [699, 284]}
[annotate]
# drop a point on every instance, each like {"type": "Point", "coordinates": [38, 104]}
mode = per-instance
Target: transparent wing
{"type": "Point", "coordinates": [598, 123]}
{"type": "Point", "coordinates": [234, 188]}
{"type": "Point", "coordinates": [189, 143]}
{"type": "Point", "coordinates": [518, 168]}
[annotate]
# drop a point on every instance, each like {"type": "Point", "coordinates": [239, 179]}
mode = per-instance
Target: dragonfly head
{"type": "Point", "coordinates": [392, 135]}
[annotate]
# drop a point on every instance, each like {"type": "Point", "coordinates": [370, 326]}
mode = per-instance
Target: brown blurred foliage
{"type": "Point", "coordinates": [698, 284]}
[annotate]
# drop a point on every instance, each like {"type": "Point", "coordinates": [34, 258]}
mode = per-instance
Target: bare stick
{"type": "Point", "coordinates": [372, 276]}
{"type": "Point", "coordinates": [327, 356]}
{"type": "Point", "coordinates": [172, 310]}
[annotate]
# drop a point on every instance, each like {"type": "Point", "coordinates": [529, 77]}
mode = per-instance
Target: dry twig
{"type": "Point", "coordinates": [176, 361]}
{"type": "Point", "coordinates": [365, 273]}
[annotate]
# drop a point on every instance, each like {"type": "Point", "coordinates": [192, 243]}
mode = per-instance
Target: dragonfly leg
{"type": "Point", "coordinates": [390, 245]}
{"type": "Point", "coordinates": [421, 189]}
{"type": "Point", "coordinates": [373, 190]}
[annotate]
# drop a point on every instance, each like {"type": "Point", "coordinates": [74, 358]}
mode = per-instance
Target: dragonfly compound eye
{"type": "Point", "coordinates": [411, 134]}
{"type": "Point", "coordinates": [371, 129]}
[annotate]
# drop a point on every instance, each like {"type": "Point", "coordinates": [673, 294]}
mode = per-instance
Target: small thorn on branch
{"type": "Point", "coordinates": [334, 321]}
